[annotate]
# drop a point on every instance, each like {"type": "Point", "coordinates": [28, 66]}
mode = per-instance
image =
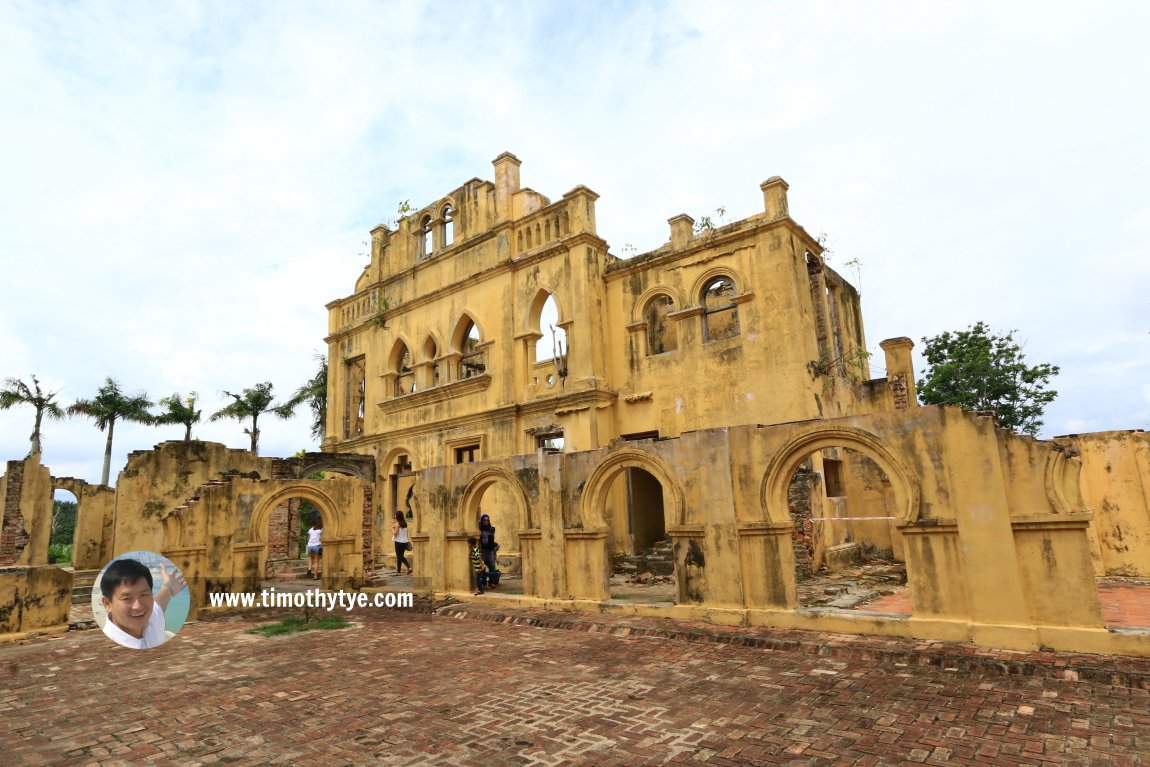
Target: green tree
{"type": "Point", "coordinates": [314, 395]}
{"type": "Point", "coordinates": [985, 372]}
{"type": "Point", "coordinates": [63, 522]}
{"type": "Point", "coordinates": [253, 403]}
{"type": "Point", "coordinates": [181, 410]}
{"type": "Point", "coordinates": [108, 406]}
{"type": "Point", "coordinates": [16, 392]}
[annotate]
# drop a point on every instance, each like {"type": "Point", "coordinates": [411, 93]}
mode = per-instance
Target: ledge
{"type": "Point", "coordinates": [472, 385]}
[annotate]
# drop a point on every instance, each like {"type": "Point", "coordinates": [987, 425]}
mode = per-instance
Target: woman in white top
{"type": "Point", "coordinates": [402, 542]}
{"type": "Point", "coordinates": [314, 548]}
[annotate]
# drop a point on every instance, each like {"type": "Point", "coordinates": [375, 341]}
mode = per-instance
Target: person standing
{"type": "Point", "coordinates": [402, 542]}
{"type": "Point", "coordinates": [314, 548]}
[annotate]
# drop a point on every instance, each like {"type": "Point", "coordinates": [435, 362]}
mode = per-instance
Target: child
{"type": "Point", "coordinates": [135, 615]}
{"type": "Point", "coordinates": [477, 566]}
{"type": "Point", "coordinates": [314, 549]}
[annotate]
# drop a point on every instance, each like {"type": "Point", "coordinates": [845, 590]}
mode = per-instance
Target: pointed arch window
{"type": "Point", "coordinates": [660, 336]}
{"type": "Point", "coordinates": [472, 362]}
{"type": "Point", "coordinates": [405, 380]}
{"type": "Point", "coordinates": [552, 342]}
{"type": "Point", "coordinates": [720, 314]}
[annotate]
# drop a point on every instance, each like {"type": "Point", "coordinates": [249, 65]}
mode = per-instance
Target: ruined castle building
{"type": "Point", "coordinates": [445, 353]}
{"type": "Point", "coordinates": [706, 408]}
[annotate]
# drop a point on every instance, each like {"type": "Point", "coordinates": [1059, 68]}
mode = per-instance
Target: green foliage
{"type": "Point", "coordinates": [296, 625]}
{"type": "Point", "coordinates": [314, 395]}
{"type": "Point", "coordinates": [707, 224]}
{"type": "Point", "coordinates": [16, 392]}
{"type": "Point", "coordinates": [62, 552]}
{"type": "Point", "coordinates": [63, 522]}
{"type": "Point", "coordinates": [181, 410]}
{"type": "Point", "coordinates": [109, 405]}
{"type": "Point", "coordinates": [984, 372]}
{"type": "Point", "coordinates": [252, 403]}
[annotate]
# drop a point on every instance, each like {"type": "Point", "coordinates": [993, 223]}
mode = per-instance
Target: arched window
{"type": "Point", "coordinates": [471, 364]}
{"type": "Point", "coordinates": [405, 382]}
{"type": "Point", "coordinates": [553, 340]}
{"type": "Point", "coordinates": [448, 217]}
{"type": "Point", "coordinates": [720, 315]}
{"type": "Point", "coordinates": [425, 237]}
{"type": "Point", "coordinates": [660, 338]}
{"type": "Point", "coordinates": [430, 352]}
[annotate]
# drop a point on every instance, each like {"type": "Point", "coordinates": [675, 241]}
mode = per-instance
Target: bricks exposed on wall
{"type": "Point", "coordinates": [13, 537]}
{"type": "Point", "coordinates": [799, 506]}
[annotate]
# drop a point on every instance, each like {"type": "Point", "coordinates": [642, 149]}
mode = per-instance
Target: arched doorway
{"type": "Point", "coordinates": [498, 493]}
{"type": "Point", "coordinates": [847, 496]}
{"type": "Point", "coordinates": [643, 561]}
{"type": "Point", "coordinates": [61, 539]}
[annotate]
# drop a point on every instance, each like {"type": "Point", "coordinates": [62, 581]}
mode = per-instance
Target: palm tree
{"type": "Point", "coordinates": [252, 404]}
{"type": "Point", "coordinates": [16, 392]}
{"type": "Point", "coordinates": [110, 405]}
{"type": "Point", "coordinates": [314, 394]}
{"type": "Point", "coordinates": [180, 410]}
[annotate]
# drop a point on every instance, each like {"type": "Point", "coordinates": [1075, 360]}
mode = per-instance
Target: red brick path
{"type": "Point", "coordinates": [401, 688]}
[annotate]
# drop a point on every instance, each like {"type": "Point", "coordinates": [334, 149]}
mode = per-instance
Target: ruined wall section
{"type": "Point", "coordinates": [1115, 484]}
{"type": "Point", "coordinates": [156, 481]}
{"type": "Point", "coordinates": [759, 373]}
{"type": "Point", "coordinates": [26, 494]}
{"type": "Point", "coordinates": [95, 522]}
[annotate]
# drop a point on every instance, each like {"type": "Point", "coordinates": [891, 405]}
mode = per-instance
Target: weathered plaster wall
{"type": "Point", "coordinates": [1116, 486]}
{"type": "Point", "coordinates": [155, 482]}
{"type": "Point", "coordinates": [26, 526]}
{"type": "Point", "coordinates": [34, 598]}
{"type": "Point", "coordinates": [990, 559]}
{"type": "Point", "coordinates": [95, 522]}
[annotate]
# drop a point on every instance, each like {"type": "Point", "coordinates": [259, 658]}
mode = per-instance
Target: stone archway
{"type": "Point", "coordinates": [489, 492]}
{"type": "Point", "coordinates": [776, 481]}
{"type": "Point", "coordinates": [635, 500]}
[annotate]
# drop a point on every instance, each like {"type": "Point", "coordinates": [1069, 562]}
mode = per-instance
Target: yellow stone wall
{"type": "Point", "coordinates": [1116, 486]}
{"type": "Point", "coordinates": [156, 482]}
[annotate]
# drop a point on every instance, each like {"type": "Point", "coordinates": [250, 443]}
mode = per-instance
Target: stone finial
{"type": "Point", "coordinates": [900, 371]}
{"type": "Point", "coordinates": [682, 227]}
{"type": "Point", "coordinates": [775, 198]}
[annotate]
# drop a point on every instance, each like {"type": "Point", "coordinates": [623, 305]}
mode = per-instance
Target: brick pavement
{"type": "Point", "coordinates": [499, 687]}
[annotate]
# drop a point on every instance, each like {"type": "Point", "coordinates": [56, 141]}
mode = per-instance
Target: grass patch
{"type": "Point", "coordinates": [296, 625]}
{"type": "Point", "coordinates": [62, 552]}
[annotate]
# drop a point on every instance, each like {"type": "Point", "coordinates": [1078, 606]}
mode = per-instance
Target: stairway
{"type": "Point", "coordinates": [82, 582]}
{"type": "Point", "coordinates": [657, 560]}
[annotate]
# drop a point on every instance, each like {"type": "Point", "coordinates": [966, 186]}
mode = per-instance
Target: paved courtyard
{"type": "Point", "coordinates": [486, 687]}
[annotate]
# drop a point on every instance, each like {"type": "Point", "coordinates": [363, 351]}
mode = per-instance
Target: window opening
{"type": "Point", "coordinates": [659, 336]}
{"type": "Point", "coordinates": [448, 227]}
{"type": "Point", "coordinates": [553, 340]}
{"type": "Point", "coordinates": [471, 364]}
{"type": "Point", "coordinates": [552, 442]}
{"type": "Point", "coordinates": [425, 237]}
{"type": "Point", "coordinates": [720, 315]}
{"type": "Point", "coordinates": [405, 382]}
{"type": "Point", "coordinates": [355, 395]}
{"type": "Point", "coordinates": [467, 454]}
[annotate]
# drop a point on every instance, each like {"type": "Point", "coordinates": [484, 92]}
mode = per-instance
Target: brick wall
{"type": "Point", "coordinates": [13, 537]}
{"type": "Point", "coordinates": [799, 506]}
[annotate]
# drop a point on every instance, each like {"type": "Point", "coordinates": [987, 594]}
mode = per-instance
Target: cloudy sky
{"type": "Point", "coordinates": [184, 185]}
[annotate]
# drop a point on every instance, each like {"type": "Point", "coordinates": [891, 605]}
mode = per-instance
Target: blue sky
{"type": "Point", "coordinates": [185, 185]}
